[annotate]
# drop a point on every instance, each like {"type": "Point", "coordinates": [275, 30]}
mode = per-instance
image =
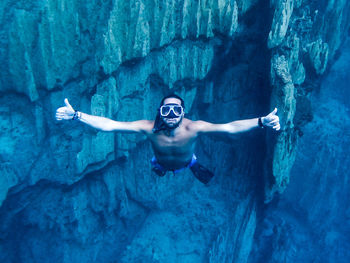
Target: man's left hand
{"type": "Point", "coordinates": [272, 120]}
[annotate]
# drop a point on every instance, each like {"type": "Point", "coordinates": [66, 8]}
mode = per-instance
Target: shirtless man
{"type": "Point", "coordinates": [172, 136]}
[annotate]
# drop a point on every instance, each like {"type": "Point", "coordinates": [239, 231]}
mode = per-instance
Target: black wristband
{"type": "Point", "coordinates": [75, 116]}
{"type": "Point", "coordinates": [261, 125]}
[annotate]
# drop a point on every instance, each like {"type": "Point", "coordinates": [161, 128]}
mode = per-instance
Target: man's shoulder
{"type": "Point", "coordinates": [191, 124]}
{"type": "Point", "coordinates": [187, 122]}
{"type": "Point", "coordinates": [145, 125]}
{"type": "Point", "coordinates": [200, 126]}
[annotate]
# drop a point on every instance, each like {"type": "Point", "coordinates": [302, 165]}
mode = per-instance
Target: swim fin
{"type": "Point", "coordinates": [201, 173]}
{"type": "Point", "coordinates": [158, 171]}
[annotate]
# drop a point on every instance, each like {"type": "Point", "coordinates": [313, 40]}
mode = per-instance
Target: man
{"type": "Point", "coordinates": [172, 136]}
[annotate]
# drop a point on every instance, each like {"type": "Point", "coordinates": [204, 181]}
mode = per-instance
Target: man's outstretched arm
{"type": "Point", "coordinates": [271, 121]}
{"type": "Point", "coordinates": [68, 113]}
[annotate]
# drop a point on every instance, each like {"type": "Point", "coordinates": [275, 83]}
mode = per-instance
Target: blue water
{"type": "Point", "coordinates": [310, 221]}
{"type": "Point", "coordinates": [118, 211]}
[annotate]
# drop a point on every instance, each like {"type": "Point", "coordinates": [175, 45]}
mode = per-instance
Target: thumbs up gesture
{"type": "Point", "coordinates": [66, 112]}
{"type": "Point", "coordinates": [272, 120]}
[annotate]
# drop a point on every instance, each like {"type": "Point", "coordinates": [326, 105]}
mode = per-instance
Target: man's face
{"type": "Point", "coordinates": [172, 122]}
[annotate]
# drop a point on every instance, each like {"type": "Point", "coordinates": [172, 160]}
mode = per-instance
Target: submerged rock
{"type": "Point", "coordinates": [315, 203]}
{"type": "Point", "coordinates": [69, 193]}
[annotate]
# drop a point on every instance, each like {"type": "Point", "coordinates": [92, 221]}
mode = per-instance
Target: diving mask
{"type": "Point", "coordinates": [171, 111]}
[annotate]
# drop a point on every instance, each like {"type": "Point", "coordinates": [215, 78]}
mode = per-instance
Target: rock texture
{"type": "Point", "coordinates": [313, 36]}
{"type": "Point", "coordinates": [315, 205]}
{"type": "Point", "coordinates": [69, 193]}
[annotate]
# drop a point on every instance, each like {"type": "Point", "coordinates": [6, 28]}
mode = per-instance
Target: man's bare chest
{"type": "Point", "coordinates": [172, 141]}
{"type": "Point", "coordinates": [178, 142]}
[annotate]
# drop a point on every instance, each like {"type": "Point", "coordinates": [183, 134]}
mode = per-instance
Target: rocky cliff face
{"type": "Point", "coordinates": [71, 193]}
{"type": "Point", "coordinates": [315, 205]}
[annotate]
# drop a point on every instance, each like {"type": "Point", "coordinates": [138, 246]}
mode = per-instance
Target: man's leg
{"type": "Point", "coordinates": [200, 172]}
{"type": "Point", "coordinates": [157, 168]}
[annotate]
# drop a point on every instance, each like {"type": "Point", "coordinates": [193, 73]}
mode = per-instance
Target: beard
{"type": "Point", "coordinates": [172, 123]}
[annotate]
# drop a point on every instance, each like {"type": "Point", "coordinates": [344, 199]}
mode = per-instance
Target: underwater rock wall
{"type": "Point", "coordinates": [304, 37]}
{"type": "Point", "coordinates": [309, 222]}
{"type": "Point", "coordinates": [73, 194]}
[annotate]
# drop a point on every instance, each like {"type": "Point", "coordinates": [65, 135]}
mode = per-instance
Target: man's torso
{"type": "Point", "coordinates": [174, 151]}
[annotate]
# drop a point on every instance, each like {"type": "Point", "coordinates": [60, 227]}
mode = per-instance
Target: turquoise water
{"type": "Point", "coordinates": [70, 193]}
{"type": "Point", "coordinates": [312, 215]}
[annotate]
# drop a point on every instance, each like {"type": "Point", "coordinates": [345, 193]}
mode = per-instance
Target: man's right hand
{"type": "Point", "coordinates": [66, 112]}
